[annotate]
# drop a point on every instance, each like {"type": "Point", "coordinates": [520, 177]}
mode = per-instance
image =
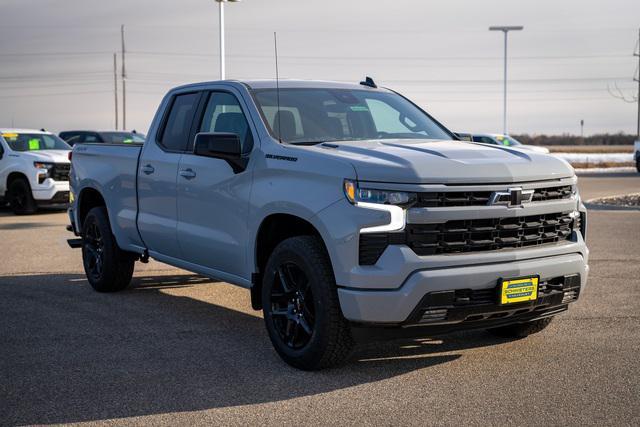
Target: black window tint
{"type": "Point", "coordinates": [178, 125]}
{"type": "Point", "coordinates": [223, 114]}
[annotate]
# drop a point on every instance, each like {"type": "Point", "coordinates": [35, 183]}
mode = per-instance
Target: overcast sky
{"type": "Point", "coordinates": [56, 56]}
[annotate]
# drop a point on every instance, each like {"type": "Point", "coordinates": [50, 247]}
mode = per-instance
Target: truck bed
{"type": "Point", "coordinates": [112, 170]}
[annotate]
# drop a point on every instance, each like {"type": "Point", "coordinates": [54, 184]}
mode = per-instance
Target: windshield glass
{"type": "Point", "coordinates": [507, 140]}
{"type": "Point", "coordinates": [34, 141]}
{"type": "Point", "coordinates": [122, 137]}
{"type": "Point", "coordinates": [325, 115]}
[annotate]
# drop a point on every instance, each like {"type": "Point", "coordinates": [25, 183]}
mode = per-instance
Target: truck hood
{"type": "Point", "coordinates": [443, 162]}
{"type": "Point", "coordinates": [52, 156]}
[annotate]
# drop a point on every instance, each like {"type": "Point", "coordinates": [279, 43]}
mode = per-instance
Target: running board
{"type": "Point", "coordinates": [74, 243]}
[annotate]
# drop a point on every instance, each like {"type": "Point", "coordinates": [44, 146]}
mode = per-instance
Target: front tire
{"type": "Point", "coordinates": [301, 308]}
{"type": "Point", "coordinates": [21, 198]}
{"type": "Point", "coordinates": [521, 330]}
{"type": "Point", "coordinates": [108, 268]}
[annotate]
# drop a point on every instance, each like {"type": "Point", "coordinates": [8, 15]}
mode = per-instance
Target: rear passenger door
{"type": "Point", "coordinates": [213, 200]}
{"type": "Point", "coordinates": [157, 174]}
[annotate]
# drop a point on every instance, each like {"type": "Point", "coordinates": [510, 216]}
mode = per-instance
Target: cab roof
{"type": "Point", "coordinates": [290, 84]}
{"type": "Point", "coordinates": [19, 130]}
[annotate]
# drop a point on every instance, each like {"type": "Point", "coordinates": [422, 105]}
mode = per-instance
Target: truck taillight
{"type": "Point", "coordinates": [70, 155]}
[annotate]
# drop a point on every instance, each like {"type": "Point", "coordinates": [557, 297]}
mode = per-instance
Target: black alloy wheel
{"type": "Point", "coordinates": [301, 309]}
{"type": "Point", "coordinates": [292, 310]}
{"type": "Point", "coordinates": [108, 268]}
{"type": "Point", "coordinates": [20, 197]}
{"type": "Point", "coordinates": [94, 251]}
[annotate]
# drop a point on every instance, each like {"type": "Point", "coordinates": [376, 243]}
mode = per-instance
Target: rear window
{"type": "Point", "coordinates": [122, 137]}
{"type": "Point", "coordinates": [178, 125]}
{"type": "Point", "coordinates": [34, 141]}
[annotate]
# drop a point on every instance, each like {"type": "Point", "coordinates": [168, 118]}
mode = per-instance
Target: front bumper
{"type": "Point", "coordinates": [404, 305]}
{"type": "Point", "coordinates": [51, 192]}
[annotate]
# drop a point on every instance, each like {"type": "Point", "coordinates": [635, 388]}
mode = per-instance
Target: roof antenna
{"type": "Point", "coordinates": [275, 46]}
{"type": "Point", "coordinates": [369, 82]}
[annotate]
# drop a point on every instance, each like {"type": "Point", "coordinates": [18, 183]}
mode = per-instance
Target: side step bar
{"type": "Point", "coordinates": [74, 243]}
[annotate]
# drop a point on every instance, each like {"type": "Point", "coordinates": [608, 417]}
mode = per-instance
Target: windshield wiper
{"type": "Point", "coordinates": [310, 142]}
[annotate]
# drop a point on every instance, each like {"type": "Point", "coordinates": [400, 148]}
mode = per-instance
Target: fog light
{"type": "Point", "coordinates": [434, 315]}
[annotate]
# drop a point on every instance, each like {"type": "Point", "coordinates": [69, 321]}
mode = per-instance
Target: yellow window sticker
{"type": "Point", "coordinates": [34, 144]}
{"type": "Point", "coordinates": [10, 135]}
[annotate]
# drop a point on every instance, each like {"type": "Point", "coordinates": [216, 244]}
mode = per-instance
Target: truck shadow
{"type": "Point", "coordinates": [69, 354]}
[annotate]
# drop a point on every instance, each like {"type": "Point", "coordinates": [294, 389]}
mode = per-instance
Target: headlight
{"type": "Point", "coordinates": [381, 197]}
{"type": "Point", "coordinates": [392, 202]}
{"type": "Point", "coordinates": [43, 165]}
{"type": "Point", "coordinates": [44, 170]}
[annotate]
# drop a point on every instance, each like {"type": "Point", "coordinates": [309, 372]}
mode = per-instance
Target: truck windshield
{"type": "Point", "coordinates": [310, 116]}
{"type": "Point", "coordinates": [34, 141]}
{"type": "Point", "coordinates": [122, 137]}
{"type": "Point", "coordinates": [507, 140]}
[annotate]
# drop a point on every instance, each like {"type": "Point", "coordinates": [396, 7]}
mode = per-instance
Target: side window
{"type": "Point", "coordinates": [488, 140]}
{"type": "Point", "coordinates": [175, 135]}
{"type": "Point", "coordinates": [224, 114]}
{"type": "Point", "coordinates": [70, 137]}
{"type": "Point", "coordinates": [91, 137]}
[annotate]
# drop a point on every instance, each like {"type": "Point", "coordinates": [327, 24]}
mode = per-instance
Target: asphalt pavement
{"type": "Point", "coordinates": [177, 348]}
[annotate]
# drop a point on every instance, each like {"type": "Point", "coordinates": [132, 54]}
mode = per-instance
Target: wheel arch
{"type": "Point", "coordinates": [88, 199]}
{"type": "Point", "coordinates": [274, 229]}
{"type": "Point", "coordinates": [14, 176]}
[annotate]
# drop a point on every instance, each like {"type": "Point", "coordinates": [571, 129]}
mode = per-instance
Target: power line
{"type": "Point", "coordinates": [390, 58]}
{"type": "Point", "coordinates": [35, 95]}
{"type": "Point", "coordinates": [20, 54]}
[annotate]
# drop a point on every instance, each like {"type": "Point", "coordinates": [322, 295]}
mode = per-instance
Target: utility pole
{"type": "Point", "coordinates": [637, 79]}
{"type": "Point", "coordinates": [124, 89]}
{"type": "Point", "coordinates": [505, 30]}
{"type": "Point", "coordinates": [582, 128]}
{"type": "Point", "coordinates": [115, 87]}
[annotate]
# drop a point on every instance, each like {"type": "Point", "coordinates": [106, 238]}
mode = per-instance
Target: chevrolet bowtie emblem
{"type": "Point", "coordinates": [513, 197]}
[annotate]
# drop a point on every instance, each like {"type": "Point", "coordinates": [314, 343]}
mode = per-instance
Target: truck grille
{"type": "Point", "coordinates": [488, 234]}
{"type": "Point", "coordinates": [481, 198]}
{"type": "Point", "coordinates": [60, 171]}
{"type": "Point", "coordinates": [472, 235]}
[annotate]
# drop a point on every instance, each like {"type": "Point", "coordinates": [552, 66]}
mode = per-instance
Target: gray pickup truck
{"type": "Point", "coordinates": [347, 210]}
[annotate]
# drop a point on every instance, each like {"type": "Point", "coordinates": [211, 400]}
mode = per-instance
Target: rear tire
{"type": "Point", "coordinates": [21, 198]}
{"type": "Point", "coordinates": [521, 330]}
{"type": "Point", "coordinates": [108, 268]}
{"type": "Point", "coordinates": [301, 308]}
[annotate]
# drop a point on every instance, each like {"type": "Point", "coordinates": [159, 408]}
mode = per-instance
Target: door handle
{"type": "Point", "coordinates": [187, 173]}
{"type": "Point", "coordinates": [147, 169]}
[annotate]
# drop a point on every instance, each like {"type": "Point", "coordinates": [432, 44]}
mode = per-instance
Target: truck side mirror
{"type": "Point", "coordinates": [219, 145]}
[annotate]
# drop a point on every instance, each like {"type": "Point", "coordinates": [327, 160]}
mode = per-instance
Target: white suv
{"type": "Point", "coordinates": [34, 169]}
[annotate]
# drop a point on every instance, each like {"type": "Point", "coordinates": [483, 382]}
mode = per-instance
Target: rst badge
{"type": "Point", "coordinates": [513, 197]}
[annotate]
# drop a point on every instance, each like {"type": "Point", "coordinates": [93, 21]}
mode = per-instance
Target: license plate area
{"type": "Point", "coordinates": [518, 290]}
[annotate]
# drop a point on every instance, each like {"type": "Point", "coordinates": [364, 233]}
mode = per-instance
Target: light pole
{"type": "Point", "coordinates": [221, 24]}
{"type": "Point", "coordinates": [505, 30]}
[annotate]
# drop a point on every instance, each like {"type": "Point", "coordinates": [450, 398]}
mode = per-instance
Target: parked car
{"type": "Point", "coordinates": [636, 154]}
{"type": "Point", "coordinates": [507, 141]}
{"type": "Point", "coordinates": [345, 209]}
{"type": "Point", "coordinates": [34, 169]}
{"type": "Point", "coordinates": [73, 137]}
